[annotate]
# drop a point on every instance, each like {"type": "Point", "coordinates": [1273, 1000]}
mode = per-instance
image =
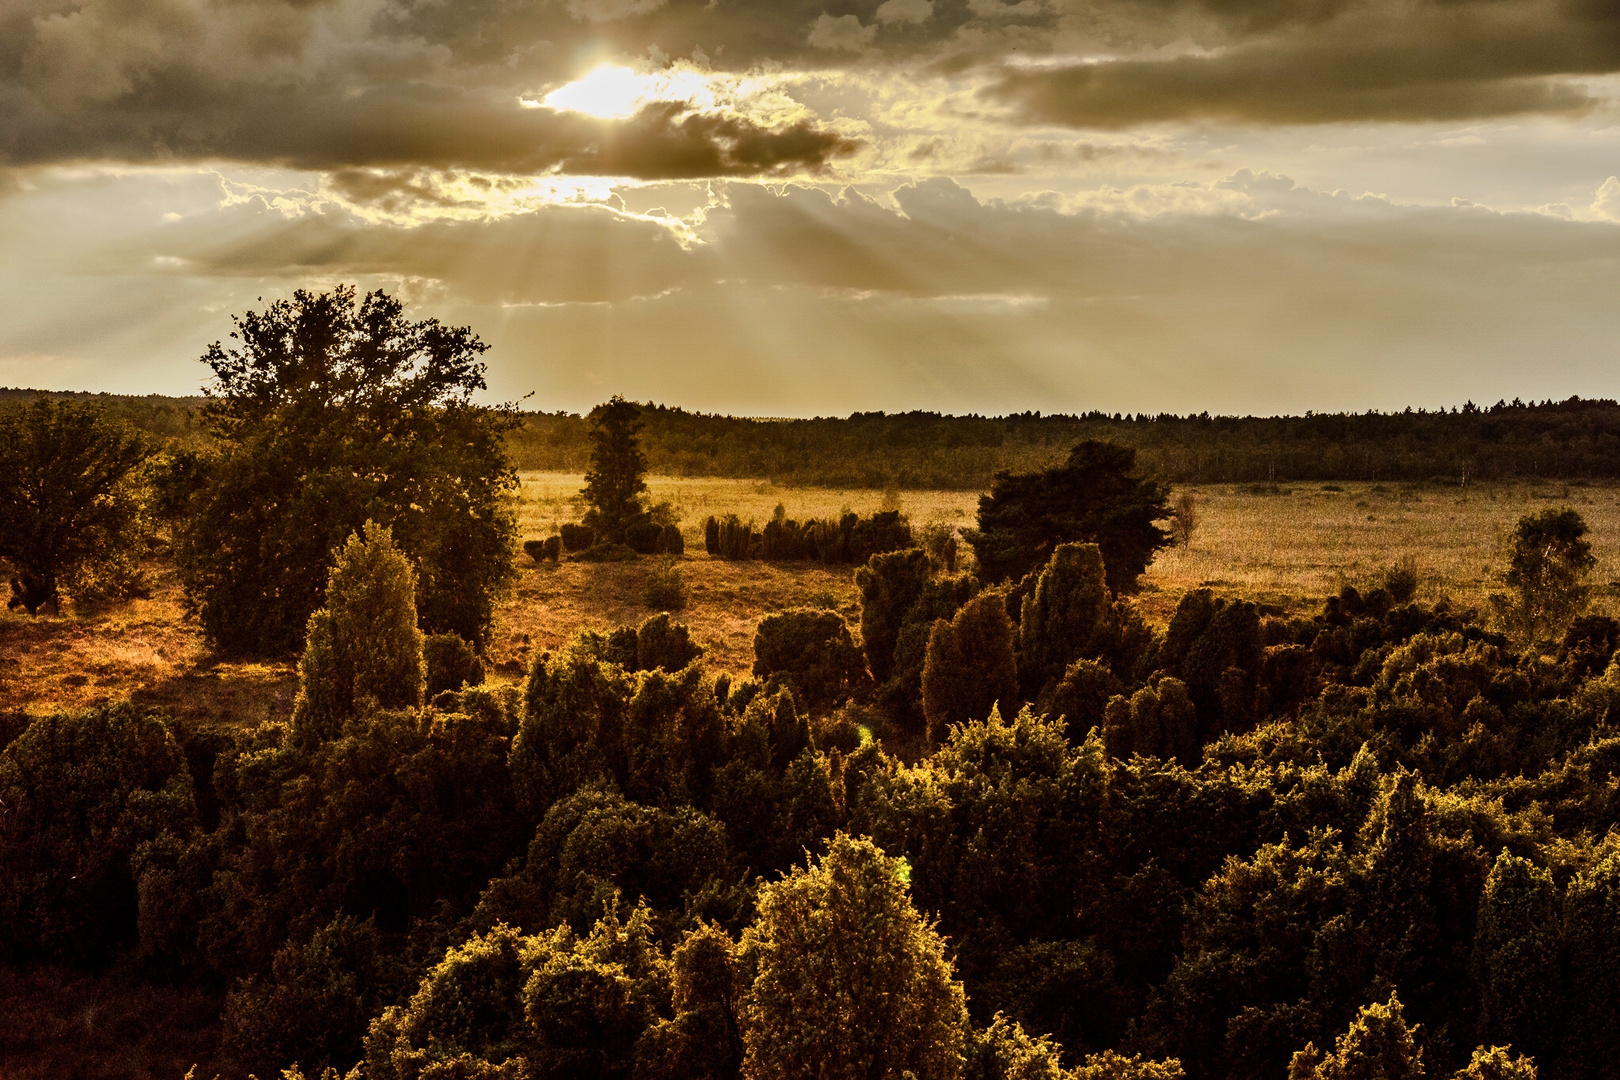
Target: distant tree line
{"type": "Point", "coordinates": [1573, 439]}
{"type": "Point", "coordinates": [1566, 440]}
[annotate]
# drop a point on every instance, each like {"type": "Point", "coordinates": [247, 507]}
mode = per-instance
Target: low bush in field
{"type": "Point", "coordinates": [666, 588]}
{"type": "Point", "coordinates": [849, 539]}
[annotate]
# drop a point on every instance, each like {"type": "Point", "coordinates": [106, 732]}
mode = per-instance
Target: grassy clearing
{"type": "Point", "coordinates": [1290, 548]}
{"type": "Point", "coordinates": [1296, 546]}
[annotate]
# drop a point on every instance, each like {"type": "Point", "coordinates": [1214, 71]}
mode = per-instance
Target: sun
{"type": "Point", "coordinates": [607, 92]}
{"type": "Point", "coordinates": [614, 92]}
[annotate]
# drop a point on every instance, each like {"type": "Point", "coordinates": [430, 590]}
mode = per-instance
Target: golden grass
{"type": "Point", "coordinates": [1304, 543]}
{"type": "Point", "coordinates": [146, 651]}
{"type": "Point", "coordinates": [1291, 549]}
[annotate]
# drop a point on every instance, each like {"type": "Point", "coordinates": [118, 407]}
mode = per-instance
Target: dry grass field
{"type": "Point", "coordinates": [1289, 548]}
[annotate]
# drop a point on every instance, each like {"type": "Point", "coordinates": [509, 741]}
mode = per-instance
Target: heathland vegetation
{"type": "Point", "coordinates": [876, 792]}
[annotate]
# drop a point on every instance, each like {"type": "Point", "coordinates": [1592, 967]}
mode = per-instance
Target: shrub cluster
{"type": "Point", "coordinates": [850, 539]}
{"type": "Point", "coordinates": [1375, 840]}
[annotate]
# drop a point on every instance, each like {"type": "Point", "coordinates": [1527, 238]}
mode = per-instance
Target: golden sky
{"type": "Point", "coordinates": [800, 207]}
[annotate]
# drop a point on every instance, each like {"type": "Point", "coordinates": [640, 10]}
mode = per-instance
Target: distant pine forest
{"type": "Point", "coordinates": [1576, 439]}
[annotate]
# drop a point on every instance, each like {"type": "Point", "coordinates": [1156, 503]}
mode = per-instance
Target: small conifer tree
{"type": "Point", "coordinates": [1061, 618]}
{"type": "Point", "coordinates": [890, 584]}
{"type": "Point", "coordinates": [617, 478]}
{"type": "Point", "coordinates": [851, 981]}
{"type": "Point", "coordinates": [363, 650]}
{"type": "Point", "coordinates": [970, 666]}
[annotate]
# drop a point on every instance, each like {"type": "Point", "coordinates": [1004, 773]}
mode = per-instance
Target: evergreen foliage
{"type": "Point", "coordinates": [1199, 854]}
{"type": "Point", "coordinates": [335, 411]}
{"type": "Point", "coordinates": [81, 793]}
{"type": "Point", "coordinates": [970, 667]}
{"type": "Point", "coordinates": [890, 584]}
{"type": "Point", "coordinates": [1065, 617]}
{"type": "Point", "coordinates": [449, 663]}
{"type": "Point", "coordinates": [1091, 498]}
{"type": "Point", "coordinates": [666, 588]}
{"type": "Point", "coordinates": [363, 650]}
{"type": "Point", "coordinates": [848, 539]}
{"type": "Point", "coordinates": [811, 652]}
{"type": "Point", "coordinates": [1546, 577]}
{"type": "Point", "coordinates": [1540, 441]}
{"type": "Point", "coordinates": [1378, 1046]}
{"type": "Point", "coordinates": [1516, 957]}
{"type": "Point", "coordinates": [850, 980]}
{"type": "Point", "coordinates": [616, 482]}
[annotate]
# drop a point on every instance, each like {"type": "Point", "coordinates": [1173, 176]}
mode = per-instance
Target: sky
{"type": "Point", "coordinates": [813, 207]}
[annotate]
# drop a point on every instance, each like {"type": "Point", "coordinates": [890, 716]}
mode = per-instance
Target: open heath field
{"type": "Point", "coordinates": [1289, 547]}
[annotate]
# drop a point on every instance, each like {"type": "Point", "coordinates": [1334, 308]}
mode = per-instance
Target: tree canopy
{"type": "Point", "coordinates": [333, 411]}
{"type": "Point", "coordinates": [64, 500]}
{"type": "Point", "coordinates": [1091, 498]}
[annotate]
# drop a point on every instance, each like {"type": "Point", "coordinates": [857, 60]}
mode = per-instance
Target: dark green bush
{"type": "Point", "coordinates": [82, 792]}
{"type": "Point", "coordinates": [671, 542]}
{"type": "Point", "coordinates": [890, 584]}
{"type": "Point", "coordinates": [70, 506]}
{"type": "Point", "coordinates": [316, 1003]}
{"type": "Point", "coordinates": [812, 652]}
{"type": "Point", "coordinates": [404, 817]}
{"type": "Point", "coordinates": [666, 588]}
{"type": "Point", "coordinates": [970, 668]}
{"type": "Point", "coordinates": [666, 645]}
{"type": "Point", "coordinates": [1401, 580]}
{"type": "Point", "coordinates": [608, 553]}
{"type": "Point", "coordinates": [644, 537]}
{"type": "Point", "coordinates": [539, 1007]}
{"type": "Point", "coordinates": [595, 849]}
{"type": "Point", "coordinates": [547, 550]}
{"type": "Point", "coordinates": [1081, 697]}
{"type": "Point", "coordinates": [577, 537]}
{"type": "Point", "coordinates": [363, 650]}
{"type": "Point", "coordinates": [450, 663]}
{"type": "Point", "coordinates": [1065, 617]}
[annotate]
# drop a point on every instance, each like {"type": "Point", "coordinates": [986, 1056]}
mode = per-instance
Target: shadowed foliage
{"type": "Point", "coordinates": [811, 652]}
{"type": "Point", "coordinates": [970, 667]}
{"type": "Point", "coordinates": [68, 507]}
{"type": "Point", "coordinates": [1091, 498]}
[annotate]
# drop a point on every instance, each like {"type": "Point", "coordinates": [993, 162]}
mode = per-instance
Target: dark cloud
{"type": "Point", "coordinates": [325, 85]}
{"type": "Point", "coordinates": [1449, 60]}
{"type": "Point", "coordinates": [432, 126]}
{"type": "Point", "coordinates": [330, 84]}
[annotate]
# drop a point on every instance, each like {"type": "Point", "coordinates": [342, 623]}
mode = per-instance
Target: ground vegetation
{"type": "Point", "coordinates": [1044, 828]}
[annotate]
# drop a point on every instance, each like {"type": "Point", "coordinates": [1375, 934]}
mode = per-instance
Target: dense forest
{"type": "Point", "coordinates": [1567, 440]}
